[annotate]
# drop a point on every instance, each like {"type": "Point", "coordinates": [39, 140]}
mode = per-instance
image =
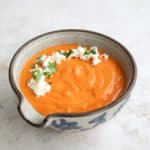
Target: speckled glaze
{"type": "Point", "coordinates": [72, 121]}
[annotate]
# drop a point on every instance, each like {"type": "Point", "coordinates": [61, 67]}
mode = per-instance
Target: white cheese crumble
{"type": "Point", "coordinates": [48, 66]}
{"type": "Point", "coordinates": [39, 88]}
{"type": "Point", "coordinates": [106, 56]}
{"type": "Point", "coordinates": [95, 60]}
{"type": "Point", "coordinates": [41, 58]}
{"type": "Point", "coordinates": [78, 52]}
{"type": "Point", "coordinates": [95, 57]}
{"type": "Point", "coordinates": [55, 57]}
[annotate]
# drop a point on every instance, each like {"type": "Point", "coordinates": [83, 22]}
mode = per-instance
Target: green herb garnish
{"type": "Point", "coordinates": [38, 59]}
{"type": "Point", "coordinates": [47, 74]}
{"type": "Point", "coordinates": [93, 51]}
{"type": "Point", "coordinates": [52, 67]}
{"type": "Point", "coordinates": [66, 53]}
{"type": "Point", "coordinates": [86, 52]}
{"type": "Point", "coordinates": [36, 74]}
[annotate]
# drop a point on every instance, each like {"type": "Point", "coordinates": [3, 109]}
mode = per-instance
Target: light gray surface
{"type": "Point", "coordinates": [127, 21]}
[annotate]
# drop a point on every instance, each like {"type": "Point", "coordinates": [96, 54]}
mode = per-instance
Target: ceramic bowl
{"type": "Point", "coordinates": [72, 121]}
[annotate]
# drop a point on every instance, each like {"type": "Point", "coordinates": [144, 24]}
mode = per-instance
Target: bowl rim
{"type": "Point", "coordinates": [98, 110]}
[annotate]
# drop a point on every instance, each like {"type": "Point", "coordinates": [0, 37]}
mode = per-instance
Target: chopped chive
{"type": "Point", "coordinates": [36, 74]}
{"type": "Point", "coordinates": [52, 67]}
{"type": "Point", "coordinates": [93, 51]}
{"type": "Point", "coordinates": [86, 52]}
{"type": "Point", "coordinates": [69, 53]}
{"type": "Point", "coordinates": [38, 59]}
{"type": "Point", "coordinates": [66, 53]}
{"type": "Point", "coordinates": [47, 74]}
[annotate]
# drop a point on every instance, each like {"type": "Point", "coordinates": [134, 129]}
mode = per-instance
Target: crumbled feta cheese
{"type": "Point", "coordinates": [81, 50]}
{"type": "Point", "coordinates": [96, 61]}
{"type": "Point", "coordinates": [95, 48]}
{"type": "Point", "coordinates": [78, 52]}
{"type": "Point", "coordinates": [85, 57]}
{"type": "Point", "coordinates": [39, 88]}
{"type": "Point", "coordinates": [106, 56]}
{"type": "Point", "coordinates": [55, 57]}
{"type": "Point", "coordinates": [95, 57]}
{"type": "Point", "coordinates": [41, 58]}
{"type": "Point", "coordinates": [47, 60]}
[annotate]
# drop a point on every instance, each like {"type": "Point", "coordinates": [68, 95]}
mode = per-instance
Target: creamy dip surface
{"type": "Point", "coordinates": [71, 79]}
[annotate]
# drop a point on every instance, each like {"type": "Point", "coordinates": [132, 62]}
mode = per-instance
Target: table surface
{"type": "Point", "coordinates": [128, 21]}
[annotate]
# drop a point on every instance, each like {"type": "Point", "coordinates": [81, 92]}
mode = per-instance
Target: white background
{"type": "Point", "coordinates": [128, 21]}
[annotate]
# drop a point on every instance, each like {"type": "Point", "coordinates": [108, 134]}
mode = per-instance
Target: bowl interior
{"type": "Point", "coordinates": [73, 36]}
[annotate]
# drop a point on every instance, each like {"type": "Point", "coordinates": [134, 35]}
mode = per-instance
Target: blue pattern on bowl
{"type": "Point", "coordinates": [119, 108]}
{"type": "Point", "coordinates": [98, 120]}
{"type": "Point", "coordinates": [64, 125]}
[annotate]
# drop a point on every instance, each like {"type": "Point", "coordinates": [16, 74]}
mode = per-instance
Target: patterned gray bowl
{"type": "Point", "coordinates": [72, 121]}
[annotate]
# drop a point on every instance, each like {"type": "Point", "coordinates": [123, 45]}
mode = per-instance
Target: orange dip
{"type": "Point", "coordinates": [77, 86]}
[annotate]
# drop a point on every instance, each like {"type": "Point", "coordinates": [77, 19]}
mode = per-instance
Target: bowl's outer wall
{"type": "Point", "coordinates": [80, 37]}
{"type": "Point", "coordinates": [83, 123]}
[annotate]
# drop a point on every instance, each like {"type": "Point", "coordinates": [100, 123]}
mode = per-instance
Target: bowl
{"type": "Point", "coordinates": [72, 121]}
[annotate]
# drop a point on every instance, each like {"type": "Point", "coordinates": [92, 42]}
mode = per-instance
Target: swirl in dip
{"type": "Point", "coordinates": [73, 82]}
